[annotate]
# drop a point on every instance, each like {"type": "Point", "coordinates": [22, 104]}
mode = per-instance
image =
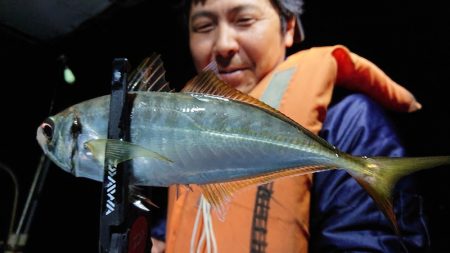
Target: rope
{"type": "Point", "coordinates": [207, 232]}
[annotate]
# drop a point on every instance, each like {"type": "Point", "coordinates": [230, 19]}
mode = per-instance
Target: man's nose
{"type": "Point", "coordinates": [226, 44]}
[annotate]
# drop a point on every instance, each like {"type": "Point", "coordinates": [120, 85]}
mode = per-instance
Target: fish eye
{"type": "Point", "coordinates": [47, 128]}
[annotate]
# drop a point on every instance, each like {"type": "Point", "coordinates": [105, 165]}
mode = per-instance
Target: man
{"type": "Point", "coordinates": [248, 41]}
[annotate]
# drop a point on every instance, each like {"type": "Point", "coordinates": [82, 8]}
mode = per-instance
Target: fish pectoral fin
{"type": "Point", "coordinates": [220, 194]}
{"type": "Point", "coordinates": [137, 198]}
{"type": "Point", "coordinates": [144, 201]}
{"type": "Point", "coordinates": [117, 151]}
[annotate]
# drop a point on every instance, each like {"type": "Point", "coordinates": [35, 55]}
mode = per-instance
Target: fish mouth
{"type": "Point", "coordinates": [48, 149]}
{"type": "Point", "coordinates": [42, 139]}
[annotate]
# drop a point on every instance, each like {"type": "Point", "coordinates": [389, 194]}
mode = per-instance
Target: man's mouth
{"type": "Point", "coordinates": [233, 77]}
{"type": "Point", "coordinates": [231, 74]}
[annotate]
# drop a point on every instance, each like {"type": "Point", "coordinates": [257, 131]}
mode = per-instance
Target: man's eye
{"type": "Point", "coordinates": [245, 21]}
{"type": "Point", "coordinates": [203, 28]}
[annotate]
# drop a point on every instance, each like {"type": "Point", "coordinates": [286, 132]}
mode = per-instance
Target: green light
{"type": "Point", "coordinates": [69, 77]}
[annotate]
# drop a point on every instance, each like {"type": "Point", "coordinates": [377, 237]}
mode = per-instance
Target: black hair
{"type": "Point", "coordinates": [290, 9]}
{"type": "Point", "coordinates": [286, 8]}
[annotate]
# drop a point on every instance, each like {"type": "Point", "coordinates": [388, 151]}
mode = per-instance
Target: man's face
{"type": "Point", "coordinates": [242, 36]}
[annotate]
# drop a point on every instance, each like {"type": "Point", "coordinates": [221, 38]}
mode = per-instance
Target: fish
{"type": "Point", "coordinates": [213, 136]}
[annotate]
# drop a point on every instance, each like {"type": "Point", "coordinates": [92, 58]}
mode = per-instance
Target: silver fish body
{"type": "Point", "coordinates": [208, 138]}
{"type": "Point", "coordinates": [217, 143]}
{"type": "Point", "coordinates": [210, 135]}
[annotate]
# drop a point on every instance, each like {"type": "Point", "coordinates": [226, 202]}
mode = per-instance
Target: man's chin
{"type": "Point", "coordinates": [240, 84]}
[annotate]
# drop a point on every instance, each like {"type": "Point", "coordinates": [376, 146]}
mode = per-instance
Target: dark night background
{"type": "Point", "coordinates": [407, 39]}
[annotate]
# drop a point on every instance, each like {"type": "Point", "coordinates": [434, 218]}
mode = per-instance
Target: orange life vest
{"type": "Point", "coordinates": [301, 87]}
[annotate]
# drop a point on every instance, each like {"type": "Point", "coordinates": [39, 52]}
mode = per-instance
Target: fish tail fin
{"type": "Point", "coordinates": [380, 174]}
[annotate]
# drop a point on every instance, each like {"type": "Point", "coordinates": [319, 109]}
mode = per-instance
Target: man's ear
{"type": "Point", "coordinates": [290, 31]}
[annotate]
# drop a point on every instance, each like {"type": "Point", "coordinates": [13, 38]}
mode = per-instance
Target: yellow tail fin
{"type": "Point", "coordinates": [380, 174]}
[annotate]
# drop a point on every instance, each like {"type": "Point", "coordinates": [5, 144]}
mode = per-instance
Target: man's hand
{"type": "Point", "coordinates": [158, 246]}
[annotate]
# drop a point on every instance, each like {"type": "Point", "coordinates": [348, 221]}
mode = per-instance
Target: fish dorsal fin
{"type": "Point", "coordinates": [149, 75]}
{"type": "Point", "coordinates": [220, 194]}
{"type": "Point", "coordinates": [212, 66]}
{"type": "Point", "coordinates": [207, 82]}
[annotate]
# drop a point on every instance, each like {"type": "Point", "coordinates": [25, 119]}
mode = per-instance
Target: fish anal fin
{"type": "Point", "coordinates": [188, 187]}
{"type": "Point", "coordinates": [180, 191]}
{"type": "Point", "coordinates": [177, 191]}
{"type": "Point", "coordinates": [117, 151]}
{"type": "Point", "coordinates": [220, 194]}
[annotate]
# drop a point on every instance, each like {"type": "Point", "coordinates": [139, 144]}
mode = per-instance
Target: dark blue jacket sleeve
{"type": "Point", "coordinates": [343, 216]}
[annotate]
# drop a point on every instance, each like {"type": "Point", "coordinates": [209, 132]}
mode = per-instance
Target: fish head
{"type": "Point", "coordinates": [63, 136]}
